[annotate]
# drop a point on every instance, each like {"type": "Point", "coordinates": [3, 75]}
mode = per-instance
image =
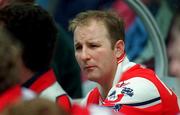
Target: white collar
{"type": "Point", "coordinates": [123, 66]}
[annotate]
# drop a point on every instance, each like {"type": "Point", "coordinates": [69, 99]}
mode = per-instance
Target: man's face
{"type": "Point", "coordinates": [174, 53]}
{"type": "Point", "coordinates": [174, 49]}
{"type": "Point", "coordinates": [94, 53]}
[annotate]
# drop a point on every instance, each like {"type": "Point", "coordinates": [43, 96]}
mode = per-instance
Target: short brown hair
{"type": "Point", "coordinates": [113, 23]}
{"type": "Point", "coordinates": [9, 54]}
{"type": "Point", "coordinates": [31, 24]}
{"type": "Point", "coordinates": [37, 106]}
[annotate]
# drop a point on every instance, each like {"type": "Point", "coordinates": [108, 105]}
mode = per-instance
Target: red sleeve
{"type": "Point", "coordinates": [93, 97]}
{"type": "Point", "coordinates": [128, 110]}
{"type": "Point", "coordinates": [64, 101]}
{"type": "Point", "coordinates": [78, 110]}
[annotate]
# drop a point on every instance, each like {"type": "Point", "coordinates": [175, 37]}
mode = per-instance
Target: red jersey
{"type": "Point", "coordinates": [10, 96]}
{"type": "Point", "coordinates": [136, 91]}
{"type": "Point", "coordinates": [46, 85]}
{"type": "Point", "coordinates": [91, 110]}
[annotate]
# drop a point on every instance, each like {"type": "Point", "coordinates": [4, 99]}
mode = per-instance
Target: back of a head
{"type": "Point", "coordinates": [35, 29]}
{"type": "Point", "coordinates": [23, 1]}
{"type": "Point", "coordinates": [3, 3]}
{"type": "Point", "coordinates": [112, 22]}
{"type": "Point", "coordinates": [37, 106]}
{"type": "Point", "coordinates": [9, 55]}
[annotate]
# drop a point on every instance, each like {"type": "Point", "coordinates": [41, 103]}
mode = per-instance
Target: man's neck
{"type": "Point", "coordinates": [25, 73]}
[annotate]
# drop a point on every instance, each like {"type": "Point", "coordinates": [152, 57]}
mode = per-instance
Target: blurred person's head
{"type": "Point", "coordinates": [37, 106]}
{"type": "Point", "coordinates": [173, 48]}
{"type": "Point", "coordinates": [9, 55]}
{"type": "Point", "coordinates": [36, 31]}
{"type": "Point", "coordinates": [3, 3]}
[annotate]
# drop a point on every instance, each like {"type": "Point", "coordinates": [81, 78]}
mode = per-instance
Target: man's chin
{"type": "Point", "coordinates": [93, 78]}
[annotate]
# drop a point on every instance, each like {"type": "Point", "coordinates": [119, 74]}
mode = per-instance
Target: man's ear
{"type": "Point", "coordinates": [119, 48]}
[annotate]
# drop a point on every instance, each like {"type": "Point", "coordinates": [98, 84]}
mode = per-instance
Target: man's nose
{"type": "Point", "coordinates": [85, 54]}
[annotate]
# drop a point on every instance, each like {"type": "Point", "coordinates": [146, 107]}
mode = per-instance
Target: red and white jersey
{"type": "Point", "coordinates": [46, 86]}
{"type": "Point", "coordinates": [92, 110]}
{"type": "Point", "coordinates": [13, 95]}
{"type": "Point", "coordinates": [136, 91]}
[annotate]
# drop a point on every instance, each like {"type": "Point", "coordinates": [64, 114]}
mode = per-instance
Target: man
{"type": "Point", "coordinates": [63, 57]}
{"type": "Point", "coordinates": [36, 31]}
{"type": "Point", "coordinates": [126, 87]}
{"type": "Point", "coordinates": [173, 45]}
{"type": "Point", "coordinates": [10, 90]}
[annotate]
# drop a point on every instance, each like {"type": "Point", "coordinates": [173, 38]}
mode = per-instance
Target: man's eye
{"type": "Point", "coordinates": [93, 45]}
{"type": "Point", "coordinates": [78, 47]}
